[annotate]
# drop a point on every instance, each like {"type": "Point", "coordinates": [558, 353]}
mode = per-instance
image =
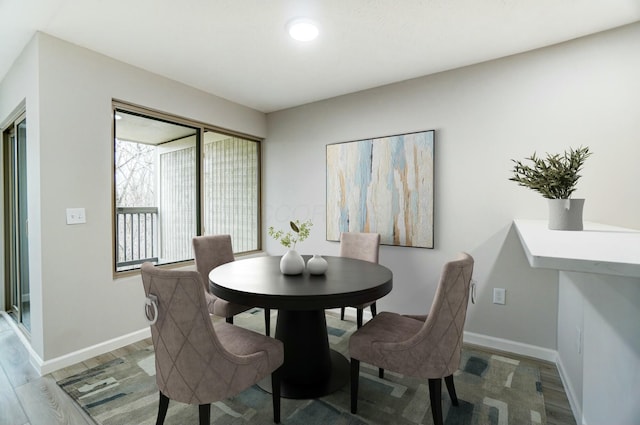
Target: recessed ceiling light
{"type": "Point", "coordinates": [302, 29]}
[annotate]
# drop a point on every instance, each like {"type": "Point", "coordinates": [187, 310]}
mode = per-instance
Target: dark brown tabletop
{"type": "Point", "coordinates": [311, 369]}
{"type": "Point", "coordinates": [259, 282]}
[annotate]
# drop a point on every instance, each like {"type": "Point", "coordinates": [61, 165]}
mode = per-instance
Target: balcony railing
{"type": "Point", "coordinates": [137, 229]}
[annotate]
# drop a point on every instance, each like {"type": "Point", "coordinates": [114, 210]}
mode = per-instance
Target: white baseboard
{"type": "Point", "coordinates": [574, 402]}
{"type": "Point", "coordinates": [92, 351]}
{"type": "Point", "coordinates": [535, 352]}
{"type": "Point", "coordinates": [48, 366]}
{"type": "Point", "coordinates": [511, 346]}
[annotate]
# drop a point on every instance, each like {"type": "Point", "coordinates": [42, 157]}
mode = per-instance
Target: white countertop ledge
{"type": "Point", "coordinates": [598, 248]}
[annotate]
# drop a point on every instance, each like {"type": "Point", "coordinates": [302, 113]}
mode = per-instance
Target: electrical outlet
{"type": "Point", "coordinates": [499, 295]}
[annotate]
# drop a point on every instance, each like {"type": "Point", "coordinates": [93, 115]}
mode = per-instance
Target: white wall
{"type": "Point", "coordinates": [20, 88]}
{"type": "Point", "coordinates": [603, 377]}
{"type": "Point", "coordinates": [571, 340]}
{"type": "Point", "coordinates": [584, 92]}
{"type": "Point", "coordinates": [82, 304]}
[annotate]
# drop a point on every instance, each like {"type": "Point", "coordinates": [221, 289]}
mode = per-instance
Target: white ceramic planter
{"type": "Point", "coordinates": [317, 265]}
{"type": "Point", "coordinates": [292, 263]}
{"type": "Point", "coordinates": [565, 214]}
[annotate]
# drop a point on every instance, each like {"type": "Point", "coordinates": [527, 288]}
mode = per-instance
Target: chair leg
{"type": "Point", "coordinates": [267, 322]}
{"type": "Point", "coordinates": [205, 414]}
{"type": "Point", "coordinates": [355, 377]}
{"type": "Point", "coordinates": [452, 389]}
{"type": "Point", "coordinates": [342, 313]}
{"type": "Point", "coordinates": [373, 313]}
{"type": "Point", "coordinates": [435, 395]}
{"type": "Point", "coordinates": [229, 320]}
{"type": "Point", "coordinates": [359, 317]}
{"type": "Point", "coordinates": [162, 409]}
{"type": "Point", "coordinates": [275, 395]}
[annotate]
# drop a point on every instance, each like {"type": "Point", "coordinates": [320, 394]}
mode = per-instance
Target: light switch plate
{"type": "Point", "coordinates": [76, 216]}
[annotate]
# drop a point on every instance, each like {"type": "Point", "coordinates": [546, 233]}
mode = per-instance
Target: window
{"type": "Point", "coordinates": [175, 179]}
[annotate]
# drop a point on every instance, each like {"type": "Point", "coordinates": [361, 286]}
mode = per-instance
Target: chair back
{"type": "Point", "coordinates": [360, 246]}
{"type": "Point", "coordinates": [210, 251]}
{"type": "Point", "coordinates": [191, 365]}
{"type": "Point", "coordinates": [441, 334]}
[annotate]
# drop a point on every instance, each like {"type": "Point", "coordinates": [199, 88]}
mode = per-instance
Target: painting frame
{"type": "Point", "coordinates": [383, 185]}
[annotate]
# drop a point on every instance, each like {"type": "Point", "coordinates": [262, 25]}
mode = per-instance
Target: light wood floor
{"type": "Point", "coordinates": [28, 399]}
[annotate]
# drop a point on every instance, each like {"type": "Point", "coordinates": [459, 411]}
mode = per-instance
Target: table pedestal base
{"type": "Point", "coordinates": [310, 368]}
{"type": "Point", "coordinates": [339, 378]}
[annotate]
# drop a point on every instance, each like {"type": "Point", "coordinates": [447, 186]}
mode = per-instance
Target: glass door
{"type": "Point", "coordinates": [16, 222]}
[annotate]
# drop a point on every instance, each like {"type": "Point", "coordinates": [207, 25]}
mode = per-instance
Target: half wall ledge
{"type": "Point", "coordinates": [599, 248]}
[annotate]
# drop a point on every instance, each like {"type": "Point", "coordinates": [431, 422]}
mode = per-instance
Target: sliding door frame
{"type": "Point", "coordinates": [15, 223]}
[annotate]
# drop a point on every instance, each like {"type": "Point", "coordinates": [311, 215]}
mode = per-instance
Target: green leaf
{"type": "Point", "coordinates": [294, 227]}
{"type": "Point", "coordinates": [554, 177]}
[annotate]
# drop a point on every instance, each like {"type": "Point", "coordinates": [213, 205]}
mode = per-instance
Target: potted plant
{"type": "Point", "coordinates": [555, 178]}
{"type": "Point", "coordinates": [292, 262]}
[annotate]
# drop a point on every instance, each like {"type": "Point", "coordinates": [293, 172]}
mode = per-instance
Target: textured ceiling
{"type": "Point", "coordinates": [239, 49]}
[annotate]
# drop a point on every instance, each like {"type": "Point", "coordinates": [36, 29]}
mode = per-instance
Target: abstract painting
{"type": "Point", "coordinates": [382, 185]}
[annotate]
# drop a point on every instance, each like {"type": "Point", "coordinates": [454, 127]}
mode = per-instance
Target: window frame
{"type": "Point", "coordinates": [201, 128]}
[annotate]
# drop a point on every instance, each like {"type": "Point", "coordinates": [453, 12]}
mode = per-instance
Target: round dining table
{"type": "Point", "coordinates": [311, 369]}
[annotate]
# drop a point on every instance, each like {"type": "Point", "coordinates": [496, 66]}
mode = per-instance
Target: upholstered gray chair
{"type": "Point", "coordinates": [198, 362]}
{"type": "Point", "coordinates": [427, 347]}
{"type": "Point", "coordinates": [210, 252]}
{"type": "Point", "coordinates": [361, 246]}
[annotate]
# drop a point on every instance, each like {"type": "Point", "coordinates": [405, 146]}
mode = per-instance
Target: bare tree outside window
{"type": "Point", "coordinates": [135, 174]}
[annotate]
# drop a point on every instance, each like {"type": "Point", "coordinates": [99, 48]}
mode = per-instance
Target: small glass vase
{"type": "Point", "coordinates": [317, 265]}
{"type": "Point", "coordinates": [291, 263]}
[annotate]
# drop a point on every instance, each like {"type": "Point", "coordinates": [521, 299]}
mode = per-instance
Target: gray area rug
{"type": "Point", "coordinates": [492, 390]}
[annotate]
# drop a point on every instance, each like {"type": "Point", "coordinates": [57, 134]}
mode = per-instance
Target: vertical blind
{"type": "Point", "coordinates": [230, 177]}
{"type": "Point", "coordinates": [177, 204]}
